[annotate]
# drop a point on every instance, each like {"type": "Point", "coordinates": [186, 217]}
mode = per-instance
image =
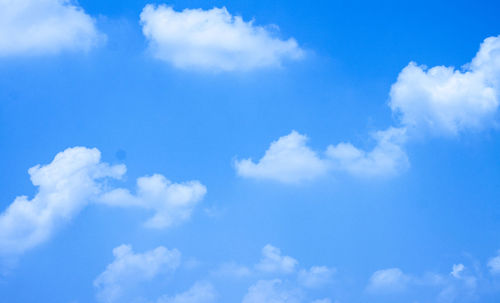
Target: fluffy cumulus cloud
{"type": "Point", "coordinates": [287, 160]}
{"type": "Point", "coordinates": [45, 26]}
{"type": "Point", "coordinates": [212, 40]}
{"type": "Point", "coordinates": [129, 268]}
{"type": "Point", "coordinates": [273, 262]}
{"type": "Point", "coordinates": [200, 292]}
{"type": "Point", "coordinates": [290, 160]}
{"type": "Point", "coordinates": [445, 100]}
{"type": "Point", "coordinates": [77, 177]}
{"type": "Point", "coordinates": [172, 202]}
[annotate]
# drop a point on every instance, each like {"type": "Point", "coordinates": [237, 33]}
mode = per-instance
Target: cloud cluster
{"type": "Point", "coordinates": [45, 26]}
{"type": "Point", "coordinates": [279, 278]}
{"type": "Point", "coordinates": [77, 177]}
{"type": "Point", "coordinates": [129, 270]}
{"type": "Point", "coordinates": [283, 281]}
{"type": "Point", "coordinates": [439, 101]}
{"type": "Point", "coordinates": [212, 40]}
{"type": "Point", "coordinates": [290, 160]}
{"type": "Point", "coordinates": [460, 283]}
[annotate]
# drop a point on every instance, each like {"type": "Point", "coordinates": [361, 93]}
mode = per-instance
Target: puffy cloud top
{"type": "Point", "coordinates": [444, 100]}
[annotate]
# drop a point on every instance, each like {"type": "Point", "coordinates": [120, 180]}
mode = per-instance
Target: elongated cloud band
{"type": "Point", "coordinates": [290, 160]}
{"type": "Point", "coordinates": [212, 40]}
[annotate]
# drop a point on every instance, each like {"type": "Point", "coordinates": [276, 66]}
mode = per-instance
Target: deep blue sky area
{"type": "Point", "coordinates": [189, 124]}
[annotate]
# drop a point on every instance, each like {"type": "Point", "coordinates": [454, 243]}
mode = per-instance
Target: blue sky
{"type": "Point", "coordinates": [268, 152]}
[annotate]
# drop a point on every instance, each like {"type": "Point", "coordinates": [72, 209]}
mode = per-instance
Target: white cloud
{"type": "Point", "coordinates": [388, 281]}
{"type": "Point", "coordinates": [66, 185]}
{"type": "Point", "coordinates": [457, 270]}
{"type": "Point", "coordinates": [44, 26]}
{"type": "Point", "coordinates": [444, 100]}
{"type": "Point", "coordinates": [316, 276]}
{"type": "Point", "coordinates": [459, 283]}
{"type": "Point", "coordinates": [463, 284]}
{"type": "Point", "coordinates": [271, 291]}
{"type": "Point", "coordinates": [172, 202]}
{"type": "Point", "coordinates": [269, 288]}
{"type": "Point", "coordinates": [201, 292]}
{"type": "Point", "coordinates": [290, 160]}
{"type": "Point", "coordinates": [129, 268]}
{"type": "Point", "coordinates": [212, 39]}
{"type": "Point", "coordinates": [273, 262]}
{"type": "Point", "coordinates": [77, 177]}
{"type": "Point", "coordinates": [494, 264]}
{"type": "Point", "coordinates": [386, 158]}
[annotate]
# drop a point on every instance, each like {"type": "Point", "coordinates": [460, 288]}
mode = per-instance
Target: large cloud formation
{"type": "Point", "coordinates": [45, 26]}
{"type": "Point", "coordinates": [212, 40]}
{"type": "Point", "coordinates": [77, 177]}
{"type": "Point", "coordinates": [437, 101]}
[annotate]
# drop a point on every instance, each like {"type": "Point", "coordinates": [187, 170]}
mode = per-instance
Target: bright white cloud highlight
{"type": "Point", "coordinates": [129, 268]}
{"type": "Point", "coordinates": [172, 202]}
{"type": "Point", "coordinates": [45, 26]}
{"type": "Point", "coordinates": [444, 100]}
{"type": "Point", "coordinates": [290, 160]}
{"type": "Point", "coordinates": [388, 281]}
{"type": "Point", "coordinates": [273, 262]}
{"type": "Point", "coordinates": [201, 292]}
{"type": "Point", "coordinates": [212, 39]}
{"type": "Point", "coordinates": [65, 186]}
{"type": "Point", "coordinates": [77, 177]}
{"type": "Point", "coordinates": [271, 291]}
